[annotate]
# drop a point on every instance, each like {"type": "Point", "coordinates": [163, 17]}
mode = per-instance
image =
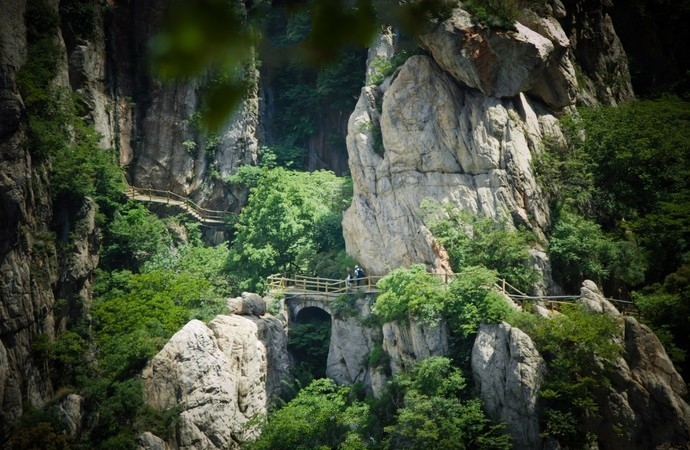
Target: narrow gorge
{"type": "Point", "coordinates": [451, 124]}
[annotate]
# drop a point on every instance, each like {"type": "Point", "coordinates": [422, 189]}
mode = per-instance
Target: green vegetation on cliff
{"type": "Point", "coordinates": [620, 190]}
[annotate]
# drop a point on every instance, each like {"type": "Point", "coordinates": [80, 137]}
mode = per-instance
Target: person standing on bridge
{"type": "Point", "coordinates": [348, 279]}
{"type": "Point", "coordinates": [359, 274]}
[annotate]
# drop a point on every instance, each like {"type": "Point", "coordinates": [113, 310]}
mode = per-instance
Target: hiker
{"type": "Point", "coordinates": [359, 274]}
{"type": "Point", "coordinates": [348, 279]}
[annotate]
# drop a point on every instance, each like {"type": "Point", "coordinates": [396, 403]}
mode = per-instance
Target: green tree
{"type": "Point", "coordinates": [579, 347]}
{"type": "Point", "coordinates": [666, 308]}
{"type": "Point", "coordinates": [320, 416]}
{"type": "Point", "coordinates": [473, 300]}
{"type": "Point", "coordinates": [474, 241]}
{"type": "Point", "coordinates": [134, 236]}
{"type": "Point", "coordinates": [134, 314]}
{"type": "Point", "coordinates": [410, 293]}
{"type": "Point", "coordinates": [580, 250]}
{"type": "Point", "coordinates": [626, 169]}
{"type": "Point", "coordinates": [278, 228]}
{"type": "Point", "coordinates": [434, 417]}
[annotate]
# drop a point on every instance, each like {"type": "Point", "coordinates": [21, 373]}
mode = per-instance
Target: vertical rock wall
{"type": "Point", "coordinates": [146, 122]}
{"type": "Point", "coordinates": [461, 125]}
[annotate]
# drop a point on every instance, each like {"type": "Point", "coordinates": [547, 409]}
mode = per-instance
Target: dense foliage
{"type": "Point", "coordinates": [620, 198]}
{"type": "Point", "coordinates": [421, 408]}
{"type": "Point", "coordinates": [475, 241]}
{"type": "Point", "coordinates": [620, 189]}
{"type": "Point", "coordinates": [289, 219]}
{"type": "Point", "coordinates": [307, 99]}
{"type": "Point", "coordinates": [468, 300]}
{"type": "Point", "coordinates": [579, 347]}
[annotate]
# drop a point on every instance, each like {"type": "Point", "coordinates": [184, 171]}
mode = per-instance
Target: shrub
{"type": "Point", "coordinates": [410, 293]}
{"type": "Point", "coordinates": [383, 67]}
{"type": "Point", "coordinates": [433, 417]}
{"type": "Point", "coordinates": [133, 237]}
{"type": "Point", "coordinates": [580, 250]}
{"type": "Point", "coordinates": [578, 347]}
{"type": "Point", "coordinates": [474, 241]}
{"type": "Point", "coordinates": [472, 300]}
{"type": "Point", "coordinates": [494, 13]}
{"type": "Point", "coordinates": [320, 416]}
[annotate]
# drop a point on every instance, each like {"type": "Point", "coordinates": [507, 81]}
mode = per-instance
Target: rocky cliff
{"type": "Point", "coordinates": [461, 122]}
{"type": "Point", "coordinates": [219, 376]}
{"type": "Point", "coordinates": [34, 275]}
{"type": "Point", "coordinates": [643, 407]}
{"type": "Point", "coordinates": [49, 249]}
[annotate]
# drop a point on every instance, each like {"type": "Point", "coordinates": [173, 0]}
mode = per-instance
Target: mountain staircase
{"type": "Point", "coordinates": [203, 215]}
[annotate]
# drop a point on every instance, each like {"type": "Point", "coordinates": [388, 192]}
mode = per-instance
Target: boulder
{"type": "Point", "coordinates": [249, 304]}
{"type": "Point", "coordinates": [70, 412]}
{"type": "Point", "coordinates": [221, 376]}
{"type": "Point", "coordinates": [497, 62]}
{"type": "Point", "coordinates": [149, 441]}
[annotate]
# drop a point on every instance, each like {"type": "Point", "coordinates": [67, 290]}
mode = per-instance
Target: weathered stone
{"type": "Point", "coordinates": [351, 343]}
{"type": "Point", "coordinates": [149, 441]}
{"type": "Point", "coordinates": [592, 299]}
{"type": "Point", "coordinates": [220, 375]}
{"type": "Point", "coordinates": [508, 372]}
{"type": "Point", "coordinates": [645, 405]}
{"type": "Point", "coordinates": [499, 63]}
{"type": "Point", "coordinates": [70, 412]}
{"type": "Point", "coordinates": [248, 304]}
{"type": "Point", "coordinates": [407, 344]}
{"type": "Point", "coordinates": [440, 142]}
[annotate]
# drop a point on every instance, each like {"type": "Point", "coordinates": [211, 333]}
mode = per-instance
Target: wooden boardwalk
{"type": "Point", "coordinates": [330, 289]}
{"type": "Point", "coordinates": [203, 215]}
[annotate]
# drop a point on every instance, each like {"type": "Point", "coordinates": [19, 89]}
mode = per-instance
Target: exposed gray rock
{"type": "Point", "coordinates": [508, 372]}
{"type": "Point", "coordinates": [499, 63]}
{"type": "Point", "coordinates": [442, 142]}
{"type": "Point", "coordinates": [220, 375]}
{"type": "Point", "coordinates": [70, 412]}
{"type": "Point", "coordinates": [645, 405]}
{"type": "Point", "coordinates": [248, 304]}
{"type": "Point", "coordinates": [409, 343]}
{"type": "Point", "coordinates": [149, 441]}
{"type": "Point", "coordinates": [603, 76]}
{"type": "Point", "coordinates": [351, 343]}
{"type": "Point", "coordinates": [592, 299]}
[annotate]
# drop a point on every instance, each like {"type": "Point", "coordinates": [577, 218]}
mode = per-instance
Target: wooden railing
{"type": "Point", "coordinates": [332, 288]}
{"type": "Point", "coordinates": [169, 197]}
{"type": "Point", "coordinates": [318, 285]}
{"type": "Point", "coordinates": [308, 284]}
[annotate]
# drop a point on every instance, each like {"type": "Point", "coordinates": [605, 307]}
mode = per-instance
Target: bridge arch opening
{"type": "Point", "coordinates": [309, 338]}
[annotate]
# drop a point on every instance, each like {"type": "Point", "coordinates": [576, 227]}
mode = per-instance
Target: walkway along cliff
{"type": "Point", "coordinates": [459, 122]}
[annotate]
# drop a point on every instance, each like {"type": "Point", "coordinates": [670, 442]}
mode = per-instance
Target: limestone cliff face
{"type": "Point", "coordinates": [33, 274]}
{"type": "Point", "coordinates": [146, 122]}
{"type": "Point", "coordinates": [643, 408]}
{"type": "Point", "coordinates": [220, 375]}
{"type": "Point", "coordinates": [400, 346]}
{"type": "Point", "coordinates": [155, 125]}
{"type": "Point", "coordinates": [462, 125]}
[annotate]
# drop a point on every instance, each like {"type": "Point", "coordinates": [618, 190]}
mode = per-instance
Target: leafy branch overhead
{"type": "Point", "coordinates": [222, 38]}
